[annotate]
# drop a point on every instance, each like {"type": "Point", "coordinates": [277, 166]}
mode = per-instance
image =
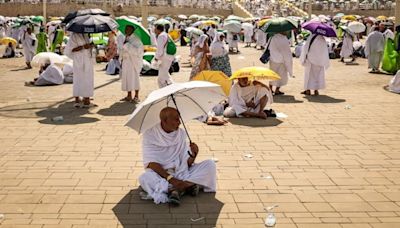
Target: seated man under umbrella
{"type": "Point", "coordinates": [249, 99]}
{"type": "Point", "coordinates": [169, 162]}
{"type": "Point", "coordinates": [49, 74]}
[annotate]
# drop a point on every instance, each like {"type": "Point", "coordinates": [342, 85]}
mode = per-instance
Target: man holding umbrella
{"type": "Point", "coordinates": [131, 61]}
{"type": "Point", "coordinates": [169, 162]}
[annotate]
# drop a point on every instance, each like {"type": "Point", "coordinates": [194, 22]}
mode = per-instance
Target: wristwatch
{"type": "Point", "coordinates": [169, 177]}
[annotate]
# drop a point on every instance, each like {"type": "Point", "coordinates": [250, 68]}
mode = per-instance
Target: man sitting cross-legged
{"type": "Point", "coordinates": [169, 162]}
{"type": "Point", "coordinates": [248, 99]}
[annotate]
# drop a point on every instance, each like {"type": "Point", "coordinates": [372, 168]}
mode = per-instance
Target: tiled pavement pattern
{"type": "Point", "coordinates": [333, 163]}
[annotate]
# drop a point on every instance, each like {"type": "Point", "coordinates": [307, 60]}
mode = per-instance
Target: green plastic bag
{"type": "Point", "coordinates": [171, 47]}
{"type": "Point", "coordinates": [390, 57]}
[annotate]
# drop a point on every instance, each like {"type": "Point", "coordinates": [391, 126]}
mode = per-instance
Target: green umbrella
{"type": "Point", "coordinates": [163, 22]}
{"type": "Point", "coordinates": [149, 56]}
{"type": "Point", "coordinates": [279, 24]}
{"type": "Point", "coordinates": [38, 19]}
{"type": "Point", "coordinates": [140, 31]}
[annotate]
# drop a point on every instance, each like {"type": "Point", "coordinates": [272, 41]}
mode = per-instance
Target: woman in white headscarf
{"type": "Point", "coordinates": [219, 55]}
{"type": "Point", "coordinates": [201, 54]}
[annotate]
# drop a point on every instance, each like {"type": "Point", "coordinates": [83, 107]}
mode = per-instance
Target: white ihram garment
{"type": "Point", "coordinates": [164, 78]}
{"type": "Point", "coordinates": [347, 47]}
{"type": "Point", "coordinates": [394, 84]}
{"type": "Point", "coordinates": [53, 75]}
{"type": "Point", "coordinates": [83, 84]}
{"type": "Point", "coordinates": [374, 46]}
{"type": "Point", "coordinates": [29, 43]}
{"type": "Point", "coordinates": [132, 61]}
{"type": "Point", "coordinates": [170, 150]}
{"type": "Point", "coordinates": [281, 59]}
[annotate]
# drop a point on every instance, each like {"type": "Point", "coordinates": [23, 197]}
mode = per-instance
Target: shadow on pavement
{"type": "Point", "coordinates": [70, 115]}
{"type": "Point", "coordinates": [254, 122]}
{"type": "Point", "coordinates": [286, 99]}
{"type": "Point", "coordinates": [131, 211]}
{"type": "Point", "coordinates": [24, 110]}
{"type": "Point", "coordinates": [118, 109]}
{"type": "Point", "coordinates": [324, 99]}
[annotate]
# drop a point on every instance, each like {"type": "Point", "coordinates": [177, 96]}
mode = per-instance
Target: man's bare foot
{"type": "Point", "coordinates": [262, 115]}
{"type": "Point", "coordinates": [128, 99]}
{"type": "Point", "coordinates": [316, 93]}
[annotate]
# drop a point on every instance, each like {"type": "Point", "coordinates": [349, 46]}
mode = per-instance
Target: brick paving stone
{"type": "Point", "coordinates": [330, 166]}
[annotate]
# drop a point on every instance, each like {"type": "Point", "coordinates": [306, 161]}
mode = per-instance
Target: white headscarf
{"type": "Point", "coordinates": [201, 41]}
{"type": "Point", "coordinates": [217, 48]}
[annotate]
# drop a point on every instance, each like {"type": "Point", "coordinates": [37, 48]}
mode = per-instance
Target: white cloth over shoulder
{"type": "Point", "coordinates": [281, 60]}
{"type": "Point", "coordinates": [170, 150]}
{"type": "Point", "coordinates": [164, 78]}
{"type": "Point", "coordinates": [315, 62]}
{"type": "Point", "coordinates": [83, 85]}
{"type": "Point", "coordinates": [29, 44]}
{"type": "Point", "coordinates": [375, 43]}
{"type": "Point", "coordinates": [347, 47]}
{"type": "Point", "coordinates": [52, 76]}
{"type": "Point", "coordinates": [132, 61]}
{"type": "Point", "coordinates": [394, 84]}
{"type": "Point", "coordinates": [217, 47]}
{"type": "Point", "coordinates": [239, 96]}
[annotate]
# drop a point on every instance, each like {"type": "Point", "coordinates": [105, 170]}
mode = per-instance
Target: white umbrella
{"type": "Point", "coordinates": [193, 30]}
{"type": "Point", "coordinates": [247, 26]}
{"type": "Point", "coordinates": [192, 99]}
{"type": "Point", "coordinates": [356, 27]}
{"type": "Point", "coordinates": [45, 57]}
{"type": "Point", "coordinates": [183, 17]}
{"type": "Point", "coordinates": [233, 26]}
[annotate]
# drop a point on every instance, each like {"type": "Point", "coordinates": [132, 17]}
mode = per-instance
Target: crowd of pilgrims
{"type": "Point", "coordinates": [208, 51]}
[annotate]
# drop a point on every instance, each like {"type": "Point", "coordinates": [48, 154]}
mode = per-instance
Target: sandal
{"type": "Point", "coordinates": [135, 100]}
{"type": "Point", "coordinates": [316, 93]}
{"type": "Point", "coordinates": [91, 105]}
{"type": "Point", "coordinates": [174, 198]}
{"type": "Point", "coordinates": [77, 105]}
{"type": "Point", "coordinates": [127, 99]}
{"type": "Point", "coordinates": [194, 190]}
{"type": "Point", "coordinates": [306, 92]}
{"type": "Point", "coordinates": [279, 93]}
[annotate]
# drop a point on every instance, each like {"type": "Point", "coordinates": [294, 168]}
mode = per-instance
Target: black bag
{"type": "Point", "coordinates": [266, 55]}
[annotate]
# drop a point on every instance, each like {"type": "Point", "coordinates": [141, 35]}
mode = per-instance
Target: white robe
{"type": "Point", "coordinates": [347, 47]}
{"type": "Point", "coordinates": [394, 84]}
{"type": "Point", "coordinates": [315, 62]}
{"type": "Point", "coordinates": [239, 96]}
{"type": "Point", "coordinates": [68, 72]}
{"type": "Point", "coordinates": [248, 35]}
{"type": "Point", "coordinates": [374, 46]}
{"type": "Point", "coordinates": [83, 85]}
{"type": "Point", "coordinates": [170, 150]}
{"type": "Point", "coordinates": [281, 59]}
{"type": "Point", "coordinates": [51, 76]}
{"type": "Point", "coordinates": [232, 43]}
{"type": "Point", "coordinates": [29, 44]}
{"type": "Point", "coordinates": [164, 78]}
{"type": "Point", "coordinates": [132, 60]}
{"type": "Point", "coordinates": [261, 38]}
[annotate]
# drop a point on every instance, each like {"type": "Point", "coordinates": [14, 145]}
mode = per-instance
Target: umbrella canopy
{"type": "Point", "coordinates": [255, 73]}
{"type": "Point", "coordinates": [263, 22]}
{"type": "Point", "coordinates": [279, 25]}
{"type": "Point", "coordinates": [151, 18]}
{"type": "Point", "coordinates": [233, 26]}
{"type": "Point", "coordinates": [202, 18]}
{"type": "Point", "coordinates": [2, 19]}
{"type": "Point", "coordinates": [149, 56]}
{"type": "Point", "coordinates": [140, 31]}
{"type": "Point", "coordinates": [75, 14]}
{"type": "Point", "coordinates": [192, 99]}
{"type": "Point", "coordinates": [217, 77]}
{"type": "Point", "coordinates": [38, 19]}
{"type": "Point", "coordinates": [44, 57]}
{"type": "Point", "coordinates": [247, 26]}
{"type": "Point", "coordinates": [356, 27]}
{"type": "Point", "coordinates": [194, 17]}
{"type": "Point", "coordinates": [319, 28]}
{"type": "Point", "coordinates": [381, 18]}
{"type": "Point", "coordinates": [7, 40]}
{"type": "Point", "coordinates": [183, 17]}
{"type": "Point", "coordinates": [233, 17]}
{"type": "Point", "coordinates": [349, 18]}
{"type": "Point", "coordinates": [215, 18]}
{"type": "Point", "coordinates": [163, 22]}
{"type": "Point", "coordinates": [53, 23]}
{"type": "Point", "coordinates": [195, 31]}
{"type": "Point", "coordinates": [92, 24]}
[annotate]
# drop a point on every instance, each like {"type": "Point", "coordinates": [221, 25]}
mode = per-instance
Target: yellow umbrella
{"type": "Point", "coordinates": [263, 22]}
{"type": "Point", "coordinates": [255, 73]}
{"type": "Point", "coordinates": [7, 40]}
{"type": "Point", "coordinates": [174, 34]}
{"type": "Point", "coordinates": [216, 77]}
{"type": "Point", "coordinates": [381, 18]}
{"type": "Point", "coordinates": [150, 49]}
{"type": "Point", "coordinates": [54, 18]}
{"type": "Point", "coordinates": [349, 17]}
{"type": "Point", "coordinates": [208, 23]}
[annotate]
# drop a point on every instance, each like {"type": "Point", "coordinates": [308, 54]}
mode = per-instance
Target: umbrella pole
{"type": "Point", "coordinates": [183, 123]}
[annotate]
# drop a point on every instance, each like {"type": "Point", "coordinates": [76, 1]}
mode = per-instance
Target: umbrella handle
{"type": "Point", "coordinates": [180, 117]}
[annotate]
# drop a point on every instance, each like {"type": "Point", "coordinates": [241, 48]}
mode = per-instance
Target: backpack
{"type": "Point", "coordinates": [171, 47]}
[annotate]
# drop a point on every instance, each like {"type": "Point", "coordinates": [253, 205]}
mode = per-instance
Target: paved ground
{"type": "Point", "coordinates": [333, 162]}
